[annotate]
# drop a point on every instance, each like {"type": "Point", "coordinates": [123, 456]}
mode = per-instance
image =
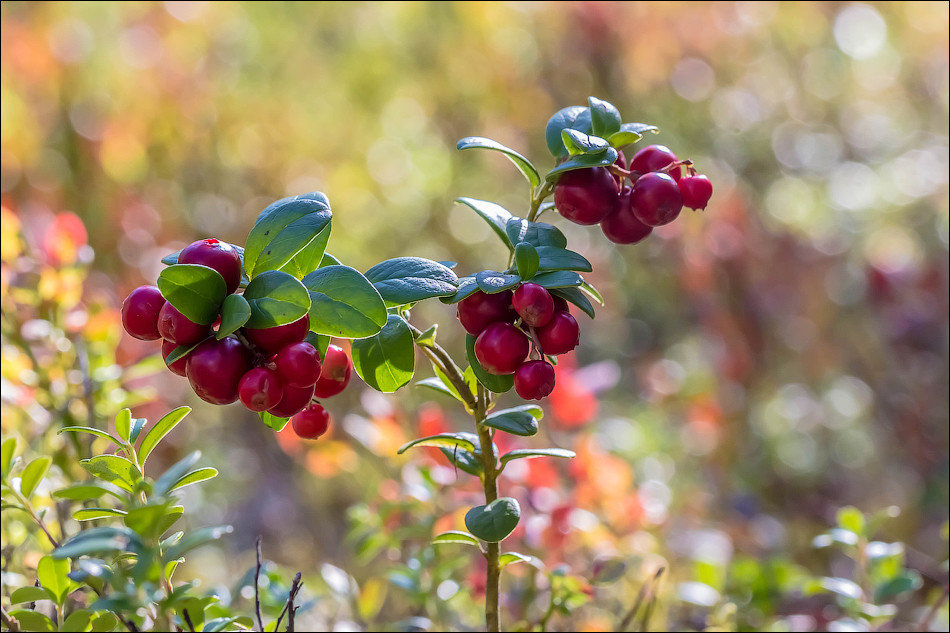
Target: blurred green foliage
{"type": "Point", "coordinates": [757, 367]}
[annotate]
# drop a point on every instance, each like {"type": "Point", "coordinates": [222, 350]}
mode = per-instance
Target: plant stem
{"type": "Point", "coordinates": [537, 199]}
{"type": "Point", "coordinates": [36, 519]}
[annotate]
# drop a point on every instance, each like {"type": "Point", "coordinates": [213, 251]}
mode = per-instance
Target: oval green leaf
{"type": "Point", "coordinates": [276, 298]}
{"type": "Point", "coordinates": [113, 469]}
{"type": "Point", "coordinates": [522, 163]}
{"type": "Point", "coordinates": [578, 298]}
{"type": "Point", "coordinates": [558, 279]}
{"type": "Point", "coordinates": [496, 215]}
{"type": "Point", "coordinates": [452, 536]}
{"type": "Point", "coordinates": [578, 143]}
{"type": "Point", "coordinates": [161, 428]}
{"type": "Point", "coordinates": [195, 476]}
{"type": "Point", "coordinates": [386, 360]}
{"type": "Point", "coordinates": [529, 453]}
{"type": "Point", "coordinates": [571, 117]}
{"type": "Point", "coordinates": [33, 474]}
{"type": "Point", "coordinates": [409, 279]}
{"type": "Point", "coordinates": [526, 260]}
{"type": "Point", "coordinates": [604, 117]}
{"type": "Point", "coordinates": [535, 233]}
{"type": "Point", "coordinates": [123, 424]}
{"type": "Point", "coordinates": [291, 234]}
{"type": "Point", "coordinates": [447, 440]}
{"type": "Point", "coordinates": [344, 303]}
{"type": "Point", "coordinates": [583, 161]}
{"type": "Point", "coordinates": [492, 282]}
{"type": "Point", "coordinates": [196, 291]}
{"type": "Point", "coordinates": [521, 420]}
{"type": "Point", "coordinates": [467, 286]}
{"type": "Point", "coordinates": [90, 514]}
{"type": "Point", "coordinates": [553, 258]}
{"type": "Point", "coordinates": [235, 312]}
{"type": "Point", "coordinates": [495, 521]}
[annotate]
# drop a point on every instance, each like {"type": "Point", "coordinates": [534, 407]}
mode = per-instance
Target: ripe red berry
{"type": "Point", "coordinates": [501, 348]}
{"type": "Point", "coordinates": [140, 312]}
{"type": "Point", "coordinates": [335, 373]}
{"type": "Point", "coordinates": [312, 422]}
{"type": "Point", "coordinates": [298, 364]}
{"type": "Point", "coordinates": [559, 336]}
{"type": "Point", "coordinates": [215, 369]}
{"type": "Point", "coordinates": [655, 158]}
{"type": "Point", "coordinates": [656, 199]}
{"type": "Point", "coordinates": [179, 329]}
{"type": "Point", "coordinates": [292, 402]}
{"type": "Point", "coordinates": [622, 226]}
{"type": "Point", "coordinates": [215, 254]}
{"type": "Point", "coordinates": [560, 304]}
{"type": "Point", "coordinates": [178, 367]}
{"type": "Point", "coordinates": [696, 190]}
{"type": "Point", "coordinates": [534, 304]}
{"type": "Point", "coordinates": [479, 310]}
{"type": "Point", "coordinates": [260, 389]}
{"type": "Point", "coordinates": [272, 339]}
{"type": "Point", "coordinates": [586, 196]}
{"type": "Point", "coordinates": [534, 380]}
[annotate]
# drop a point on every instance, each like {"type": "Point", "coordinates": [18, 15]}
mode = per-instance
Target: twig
{"type": "Point", "coordinates": [641, 595]}
{"type": "Point", "coordinates": [288, 606]}
{"type": "Point", "coordinates": [8, 620]}
{"type": "Point", "coordinates": [191, 626]}
{"type": "Point", "coordinates": [257, 590]}
{"type": "Point", "coordinates": [932, 612]}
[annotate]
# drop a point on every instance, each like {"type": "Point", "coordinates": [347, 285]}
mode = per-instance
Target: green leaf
{"type": "Point", "coordinates": [235, 312]}
{"type": "Point", "coordinates": [604, 117]}
{"type": "Point", "coordinates": [622, 139]}
{"type": "Point", "coordinates": [344, 303]}
{"type": "Point", "coordinates": [78, 620]}
{"type": "Point", "coordinates": [195, 476]}
{"type": "Point", "coordinates": [196, 291]}
{"type": "Point", "coordinates": [850, 518]}
{"type": "Point", "coordinates": [497, 384]}
{"type": "Point", "coordinates": [137, 425]}
{"type": "Point", "coordinates": [7, 450]}
{"type": "Point", "coordinates": [33, 474]}
{"type": "Point", "coordinates": [53, 576]}
{"type": "Point", "coordinates": [30, 594]}
{"type": "Point", "coordinates": [88, 514]}
{"type": "Point", "coordinates": [104, 621]}
{"type": "Point", "coordinates": [906, 581]}
{"type": "Point", "coordinates": [583, 161]}
{"type": "Point", "coordinates": [529, 453]}
{"type": "Point", "coordinates": [638, 128]}
{"type": "Point", "coordinates": [452, 536]}
{"type": "Point", "coordinates": [427, 338]}
{"type": "Point", "coordinates": [526, 260]}
{"type": "Point", "coordinates": [558, 279]}
{"type": "Point", "coordinates": [386, 361]}
{"type": "Point", "coordinates": [522, 163]}
{"type": "Point", "coordinates": [123, 424]}
{"type": "Point", "coordinates": [114, 469]}
{"type": "Point", "coordinates": [196, 539]}
{"type": "Point", "coordinates": [464, 460]}
{"type": "Point", "coordinates": [176, 472]}
{"type": "Point", "coordinates": [319, 341]}
{"type": "Point", "coordinates": [579, 143]}
{"type": "Point", "coordinates": [91, 431]}
{"type": "Point", "coordinates": [496, 215]}
{"type": "Point", "coordinates": [510, 558]}
{"type": "Point", "coordinates": [291, 234]}
{"type": "Point", "coordinates": [98, 540]}
{"type": "Point", "coordinates": [329, 260]}
{"type": "Point", "coordinates": [32, 620]}
{"type": "Point", "coordinates": [84, 492]}
{"type": "Point", "coordinates": [148, 520]}
{"type": "Point", "coordinates": [553, 258]}
{"type": "Point", "coordinates": [182, 350]}
{"type": "Point", "coordinates": [492, 282]}
{"type": "Point", "coordinates": [273, 421]}
{"type": "Point", "coordinates": [495, 521]}
{"type": "Point", "coordinates": [276, 298]}
{"type": "Point", "coordinates": [535, 233]}
{"type": "Point", "coordinates": [521, 420]}
{"type": "Point", "coordinates": [171, 516]}
{"type": "Point", "coordinates": [467, 287]}
{"type": "Point", "coordinates": [409, 279]}
{"type": "Point", "coordinates": [578, 298]}
{"type": "Point", "coordinates": [437, 385]}
{"type": "Point", "coordinates": [161, 428]}
{"type": "Point", "coordinates": [571, 117]}
{"type": "Point", "coordinates": [447, 440]}
{"type": "Point", "coordinates": [592, 292]}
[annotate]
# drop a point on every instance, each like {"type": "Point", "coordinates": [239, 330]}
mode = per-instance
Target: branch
{"type": "Point", "coordinates": [289, 607]}
{"type": "Point", "coordinates": [8, 620]}
{"type": "Point", "coordinates": [645, 590]}
{"type": "Point", "coordinates": [257, 591]}
{"type": "Point", "coordinates": [441, 359]}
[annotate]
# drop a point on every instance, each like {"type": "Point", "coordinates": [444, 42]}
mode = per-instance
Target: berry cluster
{"type": "Point", "coordinates": [507, 325]}
{"type": "Point", "coordinates": [269, 369]}
{"type": "Point", "coordinates": [627, 214]}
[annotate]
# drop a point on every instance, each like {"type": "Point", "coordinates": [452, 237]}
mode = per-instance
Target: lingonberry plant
{"type": "Point", "coordinates": [255, 323]}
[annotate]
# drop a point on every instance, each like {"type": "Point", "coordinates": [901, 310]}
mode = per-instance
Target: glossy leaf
{"type": "Point", "coordinates": [553, 258]}
{"type": "Point", "coordinates": [535, 233]}
{"type": "Point", "coordinates": [528, 453]}
{"type": "Point", "coordinates": [575, 296]}
{"type": "Point", "coordinates": [496, 216]}
{"type": "Point", "coordinates": [405, 280]}
{"type": "Point", "coordinates": [521, 420]}
{"type": "Point", "coordinates": [137, 425]}
{"type": "Point", "coordinates": [88, 514]}
{"type": "Point", "coordinates": [558, 279]}
{"type": "Point", "coordinates": [273, 421]}
{"type": "Point", "coordinates": [604, 117]}
{"type": "Point", "coordinates": [437, 385]}
{"type": "Point", "coordinates": [344, 303]}
{"type": "Point", "coordinates": [447, 440]}
{"type": "Point", "coordinates": [578, 143]}
{"type": "Point", "coordinates": [467, 287]}
{"type": "Point", "coordinates": [100, 540]}
{"type": "Point", "coordinates": [456, 536]}
{"type": "Point", "coordinates": [464, 460]}
{"type": "Point", "coordinates": [161, 428]}
{"type": "Point", "coordinates": [497, 384]}
{"type": "Point", "coordinates": [522, 163]}
{"type": "Point", "coordinates": [583, 161]}
{"type": "Point", "coordinates": [52, 574]}
{"type": "Point", "coordinates": [148, 520]}
{"type": "Point", "coordinates": [386, 361]}
{"type": "Point", "coordinates": [196, 291]}
{"type": "Point", "coordinates": [114, 469]}
{"type": "Point", "coordinates": [7, 450]}
{"type": "Point", "coordinates": [33, 474]}
{"type": "Point", "coordinates": [592, 292]}
{"type": "Point", "coordinates": [275, 298]}
{"type": "Point", "coordinates": [291, 234]}
{"type": "Point", "coordinates": [235, 312]}
{"type": "Point", "coordinates": [195, 476]}
{"type": "Point", "coordinates": [31, 594]}
{"type": "Point", "coordinates": [123, 424]}
{"type": "Point", "coordinates": [510, 558]}
{"type": "Point", "coordinates": [90, 431]}
{"type": "Point", "coordinates": [571, 117]}
{"type": "Point", "coordinates": [526, 260]}
{"type": "Point", "coordinates": [492, 282]}
{"type": "Point", "coordinates": [181, 351]}
{"type": "Point", "coordinates": [32, 620]}
{"type": "Point", "coordinates": [495, 521]}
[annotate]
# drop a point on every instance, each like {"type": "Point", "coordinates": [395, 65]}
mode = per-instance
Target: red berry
{"type": "Point", "coordinates": [311, 423]}
{"type": "Point", "coordinates": [260, 389]}
{"type": "Point", "coordinates": [656, 199]}
{"type": "Point", "coordinates": [140, 312]}
{"type": "Point", "coordinates": [335, 373]}
{"type": "Point", "coordinates": [559, 336]}
{"type": "Point", "coordinates": [179, 329]}
{"type": "Point", "coordinates": [586, 196]}
{"type": "Point", "coordinates": [622, 226]}
{"type": "Point", "coordinates": [479, 310]}
{"type": "Point", "coordinates": [501, 348]}
{"type": "Point", "coordinates": [298, 364]}
{"type": "Point", "coordinates": [560, 304]}
{"type": "Point", "coordinates": [696, 190]}
{"type": "Point", "coordinates": [272, 339]}
{"type": "Point", "coordinates": [215, 369]}
{"type": "Point", "coordinates": [178, 367]}
{"type": "Point", "coordinates": [655, 158]}
{"type": "Point", "coordinates": [293, 401]}
{"type": "Point", "coordinates": [534, 380]}
{"type": "Point", "coordinates": [215, 254]}
{"type": "Point", "coordinates": [534, 304]}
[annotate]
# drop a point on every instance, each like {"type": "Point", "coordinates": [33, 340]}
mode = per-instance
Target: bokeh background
{"type": "Point", "coordinates": [757, 366]}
